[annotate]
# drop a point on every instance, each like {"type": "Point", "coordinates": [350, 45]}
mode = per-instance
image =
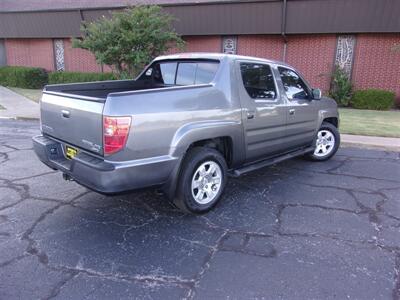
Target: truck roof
{"type": "Point", "coordinates": [218, 56]}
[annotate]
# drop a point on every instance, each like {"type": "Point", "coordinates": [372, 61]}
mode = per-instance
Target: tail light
{"type": "Point", "coordinates": [115, 131]}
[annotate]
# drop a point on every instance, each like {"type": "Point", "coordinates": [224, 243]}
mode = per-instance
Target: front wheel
{"type": "Point", "coordinates": [202, 180]}
{"type": "Point", "coordinates": [326, 142]}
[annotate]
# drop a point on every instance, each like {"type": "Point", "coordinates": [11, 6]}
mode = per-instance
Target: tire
{"type": "Point", "coordinates": [326, 143]}
{"type": "Point", "coordinates": [203, 170]}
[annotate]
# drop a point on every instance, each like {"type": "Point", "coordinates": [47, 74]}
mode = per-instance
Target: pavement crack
{"type": "Point", "coordinates": [55, 291]}
{"type": "Point", "coordinates": [371, 243]}
{"type": "Point", "coordinates": [249, 252]}
{"type": "Point", "coordinates": [197, 243]}
{"type": "Point", "coordinates": [10, 261]}
{"type": "Point", "coordinates": [140, 278]}
{"type": "Point", "coordinates": [322, 207]}
{"type": "Point", "coordinates": [4, 157]}
{"type": "Point", "coordinates": [343, 174]}
{"type": "Point", "coordinates": [341, 164]}
{"type": "Point", "coordinates": [206, 265]}
{"type": "Point", "coordinates": [331, 187]}
{"type": "Point", "coordinates": [278, 221]}
{"type": "Point", "coordinates": [10, 147]}
{"type": "Point", "coordinates": [21, 189]}
{"type": "Point", "coordinates": [33, 176]}
{"type": "Point", "coordinates": [32, 247]}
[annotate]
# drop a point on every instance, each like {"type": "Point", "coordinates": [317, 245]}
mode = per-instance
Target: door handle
{"type": "Point", "coordinates": [292, 111]}
{"type": "Point", "coordinates": [250, 115]}
{"type": "Point", "coordinates": [65, 113]}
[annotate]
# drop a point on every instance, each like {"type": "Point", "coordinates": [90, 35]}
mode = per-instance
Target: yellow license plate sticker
{"type": "Point", "coordinates": [70, 152]}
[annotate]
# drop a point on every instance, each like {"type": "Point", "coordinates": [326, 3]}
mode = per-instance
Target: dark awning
{"type": "Point", "coordinates": [227, 18]}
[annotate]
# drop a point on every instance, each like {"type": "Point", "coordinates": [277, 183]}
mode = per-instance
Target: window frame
{"type": "Point", "coordinates": [308, 89]}
{"type": "Point", "coordinates": [271, 67]}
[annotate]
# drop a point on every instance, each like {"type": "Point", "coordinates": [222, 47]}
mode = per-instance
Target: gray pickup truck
{"type": "Point", "coordinates": [183, 125]}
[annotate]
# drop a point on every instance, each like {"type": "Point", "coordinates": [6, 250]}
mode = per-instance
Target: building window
{"type": "Point", "coordinates": [229, 44]}
{"type": "Point", "coordinates": [345, 52]}
{"type": "Point", "coordinates": [59, 54]}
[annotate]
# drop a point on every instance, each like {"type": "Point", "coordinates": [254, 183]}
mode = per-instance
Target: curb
{"type": "Point", "coordinates": [370, 142]}
{"type": "Point", "coordinates": [369, 147]}
{"type": "Point", "coordinates": [20, 118]}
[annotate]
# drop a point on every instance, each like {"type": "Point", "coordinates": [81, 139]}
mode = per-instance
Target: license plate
{"type": "Point", "coordinates": [70, 152]}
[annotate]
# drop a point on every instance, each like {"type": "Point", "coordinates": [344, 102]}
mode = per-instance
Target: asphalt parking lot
{"type": "Point", "coordinates": [298, 230]}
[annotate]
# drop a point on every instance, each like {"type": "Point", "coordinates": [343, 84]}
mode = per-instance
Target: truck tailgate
{"type": "Point", "coordinates": [76, 120]}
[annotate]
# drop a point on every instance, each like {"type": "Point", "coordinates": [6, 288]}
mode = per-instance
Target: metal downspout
{"type": "Point", "coordinates": [283, 30]}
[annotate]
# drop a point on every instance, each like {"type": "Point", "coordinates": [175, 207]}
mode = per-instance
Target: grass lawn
{"type": "Point", "coordinates": [32, 94]}
{"type": "Point", "coordinates": [370, 122]}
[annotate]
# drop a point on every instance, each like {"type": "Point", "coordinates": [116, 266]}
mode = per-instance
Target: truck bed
{"type": "Point", "coordinates": [73, 113]}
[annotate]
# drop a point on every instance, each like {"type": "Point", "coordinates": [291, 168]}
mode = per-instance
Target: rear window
{"type": "Point", "coordinates": [186, 74]}
{"type": "Point", "coordinates": [167, 72]}
{"type": "Point", "coordinates": [183, 73]}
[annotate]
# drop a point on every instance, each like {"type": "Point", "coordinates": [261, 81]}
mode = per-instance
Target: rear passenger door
{"type": "Point", "coordinates": [263, 110]}
{"type": "Point", "coordinates": [302, 110]}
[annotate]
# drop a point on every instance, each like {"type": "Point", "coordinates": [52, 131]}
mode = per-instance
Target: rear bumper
{"type": "Point", "coordinates": [101, 175]}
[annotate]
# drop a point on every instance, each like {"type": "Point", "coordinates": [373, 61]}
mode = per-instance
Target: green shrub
{"type": "Point", "coordinates": [72, 77]}
{"type": "Point", "coordinates": [373, 99]}
{"type": "Point", "coordinates": [341, 88]}
{"type": "Point", "coordinates": [23, 77]}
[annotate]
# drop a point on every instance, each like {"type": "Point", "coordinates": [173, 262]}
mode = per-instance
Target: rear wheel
{"type": "Point", "coordinates": [202, 180]}
{"type": "Point", "coordinates": [326, 143]}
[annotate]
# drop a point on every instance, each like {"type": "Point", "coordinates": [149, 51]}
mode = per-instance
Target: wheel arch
{"type": "Point", "coordinates": [224, 136]}
{"type": "Point", "coordinates": [332, 120]}
{"type": "Point", "coordinates": [221, 135]}
{"type": "Point", "coordinates": [330, 116]}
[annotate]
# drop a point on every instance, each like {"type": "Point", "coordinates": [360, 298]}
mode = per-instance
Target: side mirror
{"type": "Point", "coordinates": [317, 94]}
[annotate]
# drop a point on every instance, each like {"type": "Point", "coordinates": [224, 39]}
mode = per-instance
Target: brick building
{"type": "Point", "coordinates": [311, 35]}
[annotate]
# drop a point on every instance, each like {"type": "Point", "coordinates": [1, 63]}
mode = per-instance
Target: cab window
{"type": "Point", "coordinates": [258, 80]}
{"type": "Point", "coordinates": [294, 86]}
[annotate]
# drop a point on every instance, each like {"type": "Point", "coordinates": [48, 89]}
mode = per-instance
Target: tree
{"type": "Point", "coordinates": [130, 39]}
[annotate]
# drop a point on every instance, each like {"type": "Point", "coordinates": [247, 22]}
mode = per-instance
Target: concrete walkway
{"type": "Point", "coordinates": [17, 106]}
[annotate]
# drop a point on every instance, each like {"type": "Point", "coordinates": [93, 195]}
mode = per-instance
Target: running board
{"type": "Point", "coordinates": [268, 162]}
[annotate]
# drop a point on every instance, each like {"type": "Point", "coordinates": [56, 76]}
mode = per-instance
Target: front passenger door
{"type": "Point", "coordinates": [302, 110]}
